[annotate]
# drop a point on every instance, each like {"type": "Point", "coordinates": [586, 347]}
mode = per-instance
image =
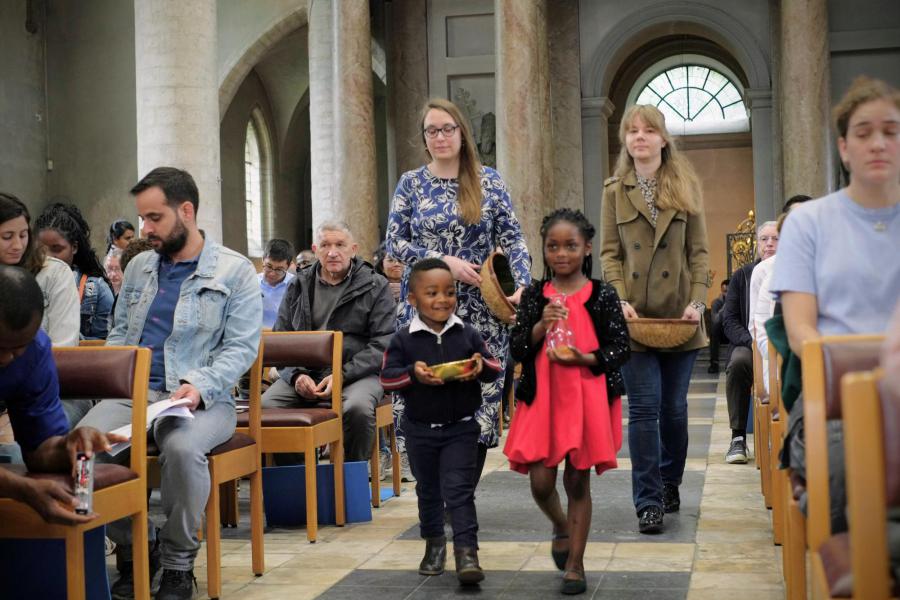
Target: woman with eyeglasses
{"type": "Point", "coordinates": [458, 210]}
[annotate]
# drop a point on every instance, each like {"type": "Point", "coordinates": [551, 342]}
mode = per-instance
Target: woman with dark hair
{"type": "Point", "coordinates": [455, 209]}
{"type": "Point", "coordinates": [18, 247]}
{"type": "Point", "coordinates": [120, 233]}
{"type": "Point", "coordinates": [655, 253]}
{"type": "Point", "coordinates": [389, 267]}
{"type": "Point", "coordinates": [66, 235]}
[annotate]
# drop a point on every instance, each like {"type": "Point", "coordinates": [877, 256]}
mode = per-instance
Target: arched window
{"type": "Point", "coordinates": [695, 93]}
{"type": "Point", "coordinates": [257, 184]}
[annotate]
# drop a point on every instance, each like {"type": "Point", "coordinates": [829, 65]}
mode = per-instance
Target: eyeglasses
{"type": "Point", "coordinates": [271, 269]}
{"type": "Point", "coordinates": [766, 238]}
{"type": "Point", "coordinates": [447, 130]}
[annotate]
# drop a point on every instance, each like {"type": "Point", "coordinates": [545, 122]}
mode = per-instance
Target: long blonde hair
{"type": "Point", "coordinates": [677, 183]}
{"type": "Point", "coordinates": [469, 177]}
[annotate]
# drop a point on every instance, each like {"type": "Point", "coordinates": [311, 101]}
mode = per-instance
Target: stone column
{"type": "Point", "coordinates": [342, 118]}
{"type": "Point", "coordinates": [408, 85]}
{"type": "Point", "coordinates": [767, 206]}
{"type": "Point", "coordinates": [178, 96]}
{"type": "Point", "coordinates": [595, 113]}
{"type": "Point", "coordinates": [804, 96]}
{"type": "Point", "coordinates": [524, 160]}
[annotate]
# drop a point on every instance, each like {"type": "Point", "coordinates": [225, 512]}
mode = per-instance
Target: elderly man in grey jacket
{"type": "Point", "coordinates": [341, 292]}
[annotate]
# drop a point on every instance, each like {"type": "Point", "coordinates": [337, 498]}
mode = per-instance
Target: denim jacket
{"type": "Point", "coordinates": [96, 304]}
{"type": "Point", "coordinates": [215, 338]}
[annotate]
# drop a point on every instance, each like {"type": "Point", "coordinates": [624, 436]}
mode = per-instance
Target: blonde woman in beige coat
{"type": "Point", "coordinates": [655, 253]}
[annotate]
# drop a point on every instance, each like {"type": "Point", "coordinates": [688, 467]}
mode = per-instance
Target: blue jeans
{"type": "Point", "coordinates": [657, 385]}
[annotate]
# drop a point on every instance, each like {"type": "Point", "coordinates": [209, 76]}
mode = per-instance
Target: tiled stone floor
{"type": "Point", "coordinates": [718, 546]}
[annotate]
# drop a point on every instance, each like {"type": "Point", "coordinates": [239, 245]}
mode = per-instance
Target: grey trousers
{"type": "Point", "coordinates": [739, 386]}
{"type": "Point", "coordinates": [358, 400]}
{"type": "Point", "coordinates": [184, 488]}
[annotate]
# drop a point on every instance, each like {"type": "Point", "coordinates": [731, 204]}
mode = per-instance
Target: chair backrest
{"type": "Point", "coordinates": [872, 453]}
{"type": "Point", "coordinates": [311, 349]}
{"type": "Point", "coordinates": [825, 361]}
{"type": "Point", "coordinates": [92, 343]}
{"type": "Point", "coordinates": [120, 372]}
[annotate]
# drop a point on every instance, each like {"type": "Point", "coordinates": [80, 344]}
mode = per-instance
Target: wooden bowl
{"type": "Point", "coordinates": [497, 282]}
{"type": "Point", "coordinates": [661, 333]}
{"type": "Point", "coordinates": [451, 371]}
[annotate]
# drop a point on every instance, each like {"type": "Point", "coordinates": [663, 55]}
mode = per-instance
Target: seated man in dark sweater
{"type": "Point", "coordinates": [440, 426]}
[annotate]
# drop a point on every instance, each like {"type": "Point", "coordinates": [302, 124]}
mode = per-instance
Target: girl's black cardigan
{"type": "Point", "coordinates": [609, 324]}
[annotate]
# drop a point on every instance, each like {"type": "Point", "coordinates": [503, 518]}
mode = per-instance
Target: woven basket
{"type": "Point", "coordinates": [661, 333]}
{"type": "Point", "coordinates": [497, 282]}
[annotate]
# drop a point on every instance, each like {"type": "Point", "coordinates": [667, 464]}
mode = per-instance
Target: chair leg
{"type": "Point", "coordinates": [795, 550]}
{"type": "Point", "coordinates": [312, 507]}
{"type": "Point", "coordinates": [375, 470]}
{"type": "Point", "coordinates": [256, 522]}
{"type": "Point", "coordinates": [213, 541]}
{"type": "Point", "coordinates": [395, 461]}
{"type": "Point", "coordinates": [141, 556]}
{"type": "Point", "coordinates": [74, 564]}
{"type": "Point", "coordinates": [340, 506]}
{"type": "Point", "coordinates": [229, 503]}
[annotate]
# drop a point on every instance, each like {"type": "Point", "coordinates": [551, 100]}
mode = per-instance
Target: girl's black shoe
{"type": "Point", "coordinates": [560, 557]}
{"type": "Point", "coordinates": [571, 587]}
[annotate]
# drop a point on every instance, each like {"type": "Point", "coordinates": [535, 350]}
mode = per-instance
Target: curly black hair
{"type": "Point", "coordinates": [576, 218]}
{"type": "Point", "coordinates": [68, 221]}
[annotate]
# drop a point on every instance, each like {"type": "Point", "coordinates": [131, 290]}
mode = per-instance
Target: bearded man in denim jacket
{"type": "Point", "coordinates": [196, 305]}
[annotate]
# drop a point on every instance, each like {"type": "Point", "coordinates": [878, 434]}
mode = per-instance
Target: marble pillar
{"type": "Point", "coordinates": [595, 113]}
{"type": "Point", "coordinates": [565, 103]}
{"type": "Point", "coordinates": [767, 205]}
{"type": "Point", "coordinates": [804, 97]}
{"type": "Point", "coordinates": [178, 96]}
{"type": "Point", "coordinates": [408, 86]}
{"type": "Point", "coordinates": [342, 120]}
{"type": "Point", "coordinates": [524, 156]}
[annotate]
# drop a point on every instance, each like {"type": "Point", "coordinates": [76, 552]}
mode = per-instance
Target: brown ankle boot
{"type": "Point", "coordinates": [467, 568]}
{"type": "Point", "coordinates": [435, 556]}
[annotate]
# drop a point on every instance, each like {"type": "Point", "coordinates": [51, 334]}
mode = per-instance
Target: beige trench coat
{"type": "Point", "coordinates": [659, 270]}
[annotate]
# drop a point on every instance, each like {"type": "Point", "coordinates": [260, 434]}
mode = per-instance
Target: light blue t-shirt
{"type": "Point", "coordinates": [846, 255]}
{"type": "Point", "coordinates": [272, 295]}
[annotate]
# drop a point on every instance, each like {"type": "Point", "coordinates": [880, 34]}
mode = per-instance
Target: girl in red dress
{"type": "Point", "coordinates": [570, 391]}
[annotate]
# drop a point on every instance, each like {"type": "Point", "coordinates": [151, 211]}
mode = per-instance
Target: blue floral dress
{"type": "Point", "coordinates": [425, 223]}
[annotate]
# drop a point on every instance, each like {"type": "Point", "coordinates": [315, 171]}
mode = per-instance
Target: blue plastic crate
{"type": "Point", "coordinates": [38, 567]}
{"type": "Point", "coordinates": [284, 494]}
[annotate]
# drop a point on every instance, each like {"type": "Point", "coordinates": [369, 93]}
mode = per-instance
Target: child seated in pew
{"type": "Point", "coordinates": [439, 421]}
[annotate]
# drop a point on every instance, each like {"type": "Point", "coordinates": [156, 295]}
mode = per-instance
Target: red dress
{"type": "Point", "coordinates": [570, 414]}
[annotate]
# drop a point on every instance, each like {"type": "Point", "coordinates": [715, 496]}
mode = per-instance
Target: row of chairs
{"type": "Point", "coordinates": [840, 382]}
{"type": "Point", "coordinates": [122, 372]}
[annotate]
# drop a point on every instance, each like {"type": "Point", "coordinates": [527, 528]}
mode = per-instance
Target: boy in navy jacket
{"type": "Point", "coordinates": [440, 426]}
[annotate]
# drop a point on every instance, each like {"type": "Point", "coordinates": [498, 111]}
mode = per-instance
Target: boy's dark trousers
{"type": "Point", "coordinates": [443, 460]}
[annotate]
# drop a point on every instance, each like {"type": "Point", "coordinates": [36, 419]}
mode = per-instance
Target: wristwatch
{"type": "Point", "coordinates": [698, 306]}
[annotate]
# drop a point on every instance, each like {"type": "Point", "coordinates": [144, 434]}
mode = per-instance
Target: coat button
{"type": "Point", "coordinates": [663, 244]}
{"type": "Point", "coordinates": [635, 275]}
{"type": "Point", "coordinates": [665, 274]}
{"type": "Point", "coordinates": [637, 245]}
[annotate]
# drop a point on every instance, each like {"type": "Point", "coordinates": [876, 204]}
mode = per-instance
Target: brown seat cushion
{"type": "Point", "coordinates": [835, 554]}
{"type": "Point", "coordinates": [237, 441]}
{"type": "Point", "coordinates": [843, 358]}
{"type": "Point", "coordinates": [290, 417]}
{"type": "Point", "coordinates": [105, 475]}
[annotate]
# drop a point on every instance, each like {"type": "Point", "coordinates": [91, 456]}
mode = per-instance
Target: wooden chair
{"type": "Point", "coordinates": [776, 427]}
{"type": "Point", "coordinates": [305, 429]}
{"type": "Point", "coordinates": [119, 492]}
{"type": "Point", "coordinates": [384, 418]}
{"type": "Point", "coordinates": [91, 343]}
{"type": "Point", "coordinates": [825, 361]}
{"type": "Point", "coordinates": [761, 428]}
{"type": "Point", "coordinates": [230, 461]}
{"type": "Point", "coordinates": [872, 453]}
